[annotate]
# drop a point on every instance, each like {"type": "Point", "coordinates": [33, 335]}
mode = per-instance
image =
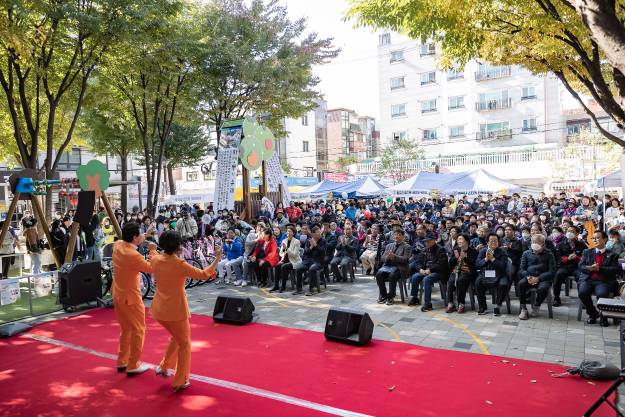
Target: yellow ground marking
{"type": "Point", "coordinates": [465, 329]}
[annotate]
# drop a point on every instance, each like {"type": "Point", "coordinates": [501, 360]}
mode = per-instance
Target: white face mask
{"type": "Point", "coordinates": [570, 235]}
{"type": "Point", "coordinates": [526, 235]}
{"type": "Point", "coordinates": [499, 232]}
{"type": "Point", "coordinates": [556, 234]}
{"type": "Point", "coordinates": [537, 247]}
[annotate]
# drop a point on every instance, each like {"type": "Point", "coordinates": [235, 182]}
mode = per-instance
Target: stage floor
{"type": "Point", "coordinates": [66, 368]}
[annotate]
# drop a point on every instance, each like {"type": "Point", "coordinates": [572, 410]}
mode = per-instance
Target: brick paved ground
{"type": "Point", "coordinates": [562, 339]}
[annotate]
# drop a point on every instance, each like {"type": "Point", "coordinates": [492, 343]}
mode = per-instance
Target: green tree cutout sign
{"type": "Point", "coordinates": [257, 145]}
{"type": "Point", "coordinates": [94, 176]}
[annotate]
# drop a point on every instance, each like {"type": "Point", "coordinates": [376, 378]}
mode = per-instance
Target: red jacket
{"type": "Point", "coordinates": [271, 251]}
{"type": "Point", "coordinates": [293, 213]}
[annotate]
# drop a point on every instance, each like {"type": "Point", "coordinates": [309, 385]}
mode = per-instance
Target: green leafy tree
{"type": "Point", "coordinates": [344, 161]}
{"type": "Point", "coordinates": [394, 158]}
{"type": "Point", "coordinates": [188, 146]}
{"type": "Point", "coordinates": [154, 73]}
{"type": "Point", "coordinates": [582, 42]}
{"type": "Point", "coordinates": [49, 51]}
{"type": "Point", "coordinates": [258, 62]}
{"type": "Point", "coordinates": [109, 129]}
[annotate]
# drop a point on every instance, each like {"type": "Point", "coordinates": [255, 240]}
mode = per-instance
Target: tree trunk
{"type": "Point", "coordinates": [124, 193]}
{"type": "Point", "coordinates": [170, 179]}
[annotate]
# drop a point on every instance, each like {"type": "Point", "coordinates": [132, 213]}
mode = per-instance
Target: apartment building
{"type": "Point", "coordinates": [299, 147]}
{"type": "Point", "coordinates": [350, 135]}
{"type": "Point", "coordinates": [475, 108]}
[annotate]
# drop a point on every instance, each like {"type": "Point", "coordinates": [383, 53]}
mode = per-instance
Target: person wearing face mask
{"type": "Point", "coordinates": [462, 265]}
{"type": "Point", "coordinates": [597, 275]}
{"type": "Point", "coordinates": [538, 268]}
{"type": "Point", "coordinates": [491, 265]}
{"type": "Point", "coordinates": [614, 244]}
{"type": "Point", "coordinates": [556, 236]}
{"type": "Point", "coordinates": [431, 265]}
{"type": "Point", "coordinates": [108, 231]}
{"type": "Point", "coordinates": [568, 254]}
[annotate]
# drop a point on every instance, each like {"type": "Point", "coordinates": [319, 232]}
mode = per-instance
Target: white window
{"type": "Point", "coordinates": [456, 131]}
{"type": "Point", "coordinates": [192, 176]}
{"type": "Point", "coordinates": [529, 125]}
{"type": "Point", "coordinates": [494, 130]}
{"type": "Point", "coordinates": [428, 49]}
{"type": "Point", "coordinates": [305, 146]}
{"type": "Point", "coordinates": [384, 39]}
{"type": "Point", "coordinates": [455, 73]}
{"type": "Point", "coordinates": [397, 136]}
{"type": "Point", "coordinates": [397, 83]}
{"type": "Point", "coordinates": [528, 93]}
{"type": "Point", "coordinates": [456, 102]}
{"type": "Point", "coordinates": [494, 100]}
{"type": "Point", "coordinates": [488, 72]}
{"type": "Point", "coordinates": [398, 110]}
{"type": "Point", "coordinates": [397, 56]}
{"type": "Point", "coordinates": [429, 134]}
{"type": "Point", "coordinates": [428, 77]}
{"type": "Point", "coordinates": [428, 106]}
{"type": "Point", "coordinates": [305, 120]}
{"type": "Point", "coordinates": [309, 171]}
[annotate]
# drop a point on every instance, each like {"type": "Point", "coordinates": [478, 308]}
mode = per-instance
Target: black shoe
{"type": "Point", "coordinates": [603, 321]}
{"type": "Point", "coordinates": [274, 290]}
{"type": "Point", "coordinates": [390, 302]}
{"type": "Point", "coordinates": [413, 301]}
{"type": "Point", "coordinates": [297, 292]}
{"type": "Point", "coordinates": [369, 272]}
{"type": "Point", "coordinates": [427, 307]}
{"type": "Point", "coordinates": [381, 300]}
{"type": "Point", "coordinates": [496, 312]}
{"type": "Point", "coordinates": [557, 302]}
{"type": "Point", "coordinates": [482, 311]}
{"type": "Point", "coordinates": [282, 290]}
{"type": "Point", "coordinates": [591, 320]}
{"type": "Point", "coordinates": [308, 294]}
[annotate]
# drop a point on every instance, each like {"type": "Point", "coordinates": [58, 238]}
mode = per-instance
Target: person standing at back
{"type": "Point", "coordinates": [127, 300]}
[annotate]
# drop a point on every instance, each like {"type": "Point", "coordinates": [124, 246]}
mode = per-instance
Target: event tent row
{"type": "Point", "coordinates": [420, 184]}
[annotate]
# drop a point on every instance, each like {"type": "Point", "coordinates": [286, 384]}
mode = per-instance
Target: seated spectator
{"type": "Point", "coordinates": [368, 257]}
{"type": "Point", "coordinates": [230, 265]}
{"type": "Point", "coordinates": [432, 266]}
{"type": "Point", "coordinates": [513, 248]}
{"type": "Point", "coordinates": [463, 272]}
{"type": "Point", "coordinates": [538, 267]}
{"type": "Point", "coordinates": [345, 255]}
{"type": "Point", "coordinates": [265, 256]}
{"type": "Point", "coordinates": [312, 261]}
{"type": "Point", "coordinates": [614, 244]}
{"type": "Point", "coordinates": [492, 263]}
{"type": "Point", "coordinates": [568, 254]}
{"type": "Point", "coordinates": [395, 258]}
{"type": "Point", "coordinates": [597, 275]}
{"type": "Point", "coordinates": [289, 259]}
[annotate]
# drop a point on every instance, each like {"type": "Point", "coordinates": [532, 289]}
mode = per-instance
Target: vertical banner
{"type": "Point", "coordinates": [275, 177]}
{"type": "Point", "coordinates": [9, 291]}
{"type": "Point", "coordinates": [227, 162]}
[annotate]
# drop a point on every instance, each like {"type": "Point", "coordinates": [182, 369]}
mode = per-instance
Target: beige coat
{"type": "Point", "coordinates": [293, 252]}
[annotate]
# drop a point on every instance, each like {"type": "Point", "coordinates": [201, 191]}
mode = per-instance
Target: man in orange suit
{"type": "Point", "coordinates": [128, 263]}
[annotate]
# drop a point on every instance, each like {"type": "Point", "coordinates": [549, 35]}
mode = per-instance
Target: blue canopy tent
{"type": "Point", "coordinates": [479, 182]}
{"type": "Point", "coordinates": [422, 183]}
{"type": "Point", "coordinates": [612, 180]}
{"type": "Point", "coordinates": [318, 190]}
{"type": "Point", "coordinates": [365, 187]}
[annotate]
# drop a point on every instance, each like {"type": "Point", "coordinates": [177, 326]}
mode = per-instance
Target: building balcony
{"type": "Point", "coordinates": [490, 105]}
{"type": "Point", "coordinates": [502, 134]}
{"type": "Point", "coordinates": [433, 110]}
{"type": "Point", "coordinates": [493, 73]}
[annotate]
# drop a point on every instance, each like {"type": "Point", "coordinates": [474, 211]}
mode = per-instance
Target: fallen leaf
{"type": "Point", "coordinates": [533, 381]}
{"type": "Point", "coordinates": [489, 402]}
{"type": "Point", "coordinates": [514, 364]}
{"type": "Point", "coordinates": [488, 383]}
{"type": "Point", "coordinates": [391, 388]}
{"type": "Point", "coordinates": [505, 361]}
{"type": "Point", "coordinates": [521, 374]}
{"type": "Point", "coordinates": [392, 362]}
{"type": "Point", "coordinates": [591, 383]}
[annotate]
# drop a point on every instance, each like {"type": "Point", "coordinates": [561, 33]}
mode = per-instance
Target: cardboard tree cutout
{"type": "Point", "coordinates": [257, 145]}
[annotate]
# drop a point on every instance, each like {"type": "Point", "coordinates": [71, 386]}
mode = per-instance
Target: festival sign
{"type": "Point", "coordinates": [227, 162]}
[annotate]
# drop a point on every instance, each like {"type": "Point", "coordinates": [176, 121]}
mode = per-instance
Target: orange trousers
{"type": "Point", "coordinates": [178, 353]}
{"type": "Point", "coordinates": [132, 322]}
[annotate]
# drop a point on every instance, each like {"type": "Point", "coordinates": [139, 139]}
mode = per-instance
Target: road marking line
{"type": "Point", "coordinates": [393, 333]}
{"type": "Point", "coordinates": [465, 329]}
{"type": "Point", "coordinates": [259, 392]}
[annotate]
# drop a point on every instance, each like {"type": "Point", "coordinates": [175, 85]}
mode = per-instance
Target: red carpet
{"type": "Point", "coordinates": [383, 379]}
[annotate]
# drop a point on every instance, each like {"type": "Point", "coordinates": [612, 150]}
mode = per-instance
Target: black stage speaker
{"type": "Point", "coordinates": [80, 282]}
{"type": "Point", "coordinates": [84, 209]}
{"type": "Point", "coordinates": [349, 326]}
{"type": "Point", "coordinates": [233, 310]}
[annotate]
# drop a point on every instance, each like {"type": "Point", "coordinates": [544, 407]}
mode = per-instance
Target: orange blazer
{"type": "Point", "coordinates": [127, 264]}
{"type": "Point", "coordinates": [170, 299]}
